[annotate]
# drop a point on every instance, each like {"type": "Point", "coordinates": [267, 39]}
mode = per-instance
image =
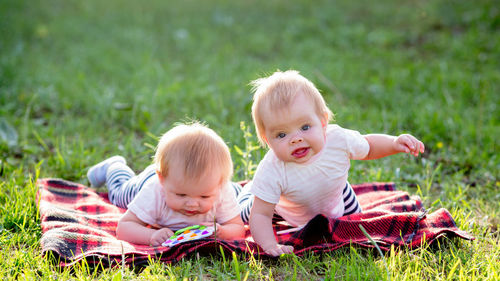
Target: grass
{"type": "Point", "coordinates": [83, 80]}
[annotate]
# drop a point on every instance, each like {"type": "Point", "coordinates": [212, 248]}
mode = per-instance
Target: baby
{"type": "Point", "coordinates": [305, 171]}
{"type": "Point", "coordinates": [188, 184]}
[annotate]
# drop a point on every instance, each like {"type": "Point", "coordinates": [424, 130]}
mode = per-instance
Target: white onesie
{"type": "Point", "coordinates": [302, 191]}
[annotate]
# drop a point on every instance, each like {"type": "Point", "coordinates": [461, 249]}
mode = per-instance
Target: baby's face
{"type": "Point", "coordinates": [296, 133]}
{"type": "Point", "coordinates": [191, 197]}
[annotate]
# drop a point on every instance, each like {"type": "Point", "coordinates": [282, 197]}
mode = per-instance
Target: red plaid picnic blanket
{"type": "Point", "coordinates": [78, 223]}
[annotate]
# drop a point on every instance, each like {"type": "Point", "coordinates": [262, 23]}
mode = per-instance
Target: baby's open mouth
{"type": "Point", "coordinates": [300, 152]}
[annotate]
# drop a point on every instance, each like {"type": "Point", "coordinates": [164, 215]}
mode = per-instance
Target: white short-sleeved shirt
{"type": "Point", "coordinates": [149, 205]}
{"type": "Point", "coordinates": [302, 191]}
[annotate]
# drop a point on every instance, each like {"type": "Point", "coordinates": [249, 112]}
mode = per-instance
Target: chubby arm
{"type": "Point", "coordinates": [261, 228]}
{"type": "Point", "coordinates": [230, 230]}
{"type": "Point", "coordinates": [382, 145]}
{"type": "Point", "coordinates": [132, 229]}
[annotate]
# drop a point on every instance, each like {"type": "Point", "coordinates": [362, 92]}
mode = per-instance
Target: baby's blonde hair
{"type": "Point", "coordinates": [278, 91]}
{"type": "Point", "coordinates": [196, 148]}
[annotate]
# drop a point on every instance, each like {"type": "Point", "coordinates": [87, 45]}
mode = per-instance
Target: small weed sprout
{"type": "Point", "coordinates": [247, 154]}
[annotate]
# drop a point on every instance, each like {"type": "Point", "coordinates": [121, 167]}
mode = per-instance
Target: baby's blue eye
{"type": "Point", "coordinates": [281, 135]}
{"type": "Point", "coordinates": [306, 127]}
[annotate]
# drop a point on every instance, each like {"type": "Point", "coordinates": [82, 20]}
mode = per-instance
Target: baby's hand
{"type": "Point", "coordinates": [160, 236]}
{"type": "Point", "coordinates": [278, 250]}
{"type": "Point", "coordinates": [218, 227]}
{"type": "Point", "coordinates": [409, 144]}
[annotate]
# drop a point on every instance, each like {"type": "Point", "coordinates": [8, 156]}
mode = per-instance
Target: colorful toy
{"type": "Point", "coordinates": [189, 233]}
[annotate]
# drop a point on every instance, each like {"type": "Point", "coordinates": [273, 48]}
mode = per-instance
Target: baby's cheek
{"type": "Point", "coordinates": [207, 206]}
{"type": "Point", "coordinates": [173, 203]}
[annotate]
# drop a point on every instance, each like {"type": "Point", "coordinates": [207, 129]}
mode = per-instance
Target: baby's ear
{"type": "Point", "coordinates": [324, 120]}
{"type": "Point", "coordinates": [160, 176]}
{"type": "Point", "coordinates": [265, 139]}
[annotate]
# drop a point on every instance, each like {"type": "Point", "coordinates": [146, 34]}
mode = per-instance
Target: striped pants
{"type": "Point", "coordinates": [123, 184]}
{"type": "Point", "coordinates": [351, 204]}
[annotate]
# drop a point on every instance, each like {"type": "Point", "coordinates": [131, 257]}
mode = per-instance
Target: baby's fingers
{"type": "Point", "coordinates": [279, 250]}
{"type": "Point", "coordinates": [287, 249]}
{"type": "Point", "coordinates": [157, 241]}
{"type": "Point", "coordinates": [409, 144]}
{"type": "Point", "coordinates": [419, 148]}
{"type": "Point", "coordinates": [422, 147]}
{"type": "Point", "coordinates": [416, 146]}
{"type": "Point", "coordinates": [161, 236]}
{"type": "Point", "coordinates": [167, 232]}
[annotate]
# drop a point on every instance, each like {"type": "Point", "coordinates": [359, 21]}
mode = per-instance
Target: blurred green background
{"type": "Point", "coordinates": [83, 80]}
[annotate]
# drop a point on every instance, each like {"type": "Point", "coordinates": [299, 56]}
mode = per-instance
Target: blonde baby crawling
{"type": "Point", "coordinates": [305, 171]}
{"type": "Point", "coordinates": [188, 184]}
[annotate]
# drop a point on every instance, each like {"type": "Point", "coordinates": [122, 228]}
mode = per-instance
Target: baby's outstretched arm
{"type": "Point", "coordinates": [262, 228]}
{"type": "Point", "coordinates": [384, 145]}
{"type": "Point", "coordinates": [232, 229]}
{"type": "Point", "coordinates": [132, 229]}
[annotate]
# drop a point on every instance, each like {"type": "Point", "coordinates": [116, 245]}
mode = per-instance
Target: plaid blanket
{"type": "Point", "coordinates": [78, 223]}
